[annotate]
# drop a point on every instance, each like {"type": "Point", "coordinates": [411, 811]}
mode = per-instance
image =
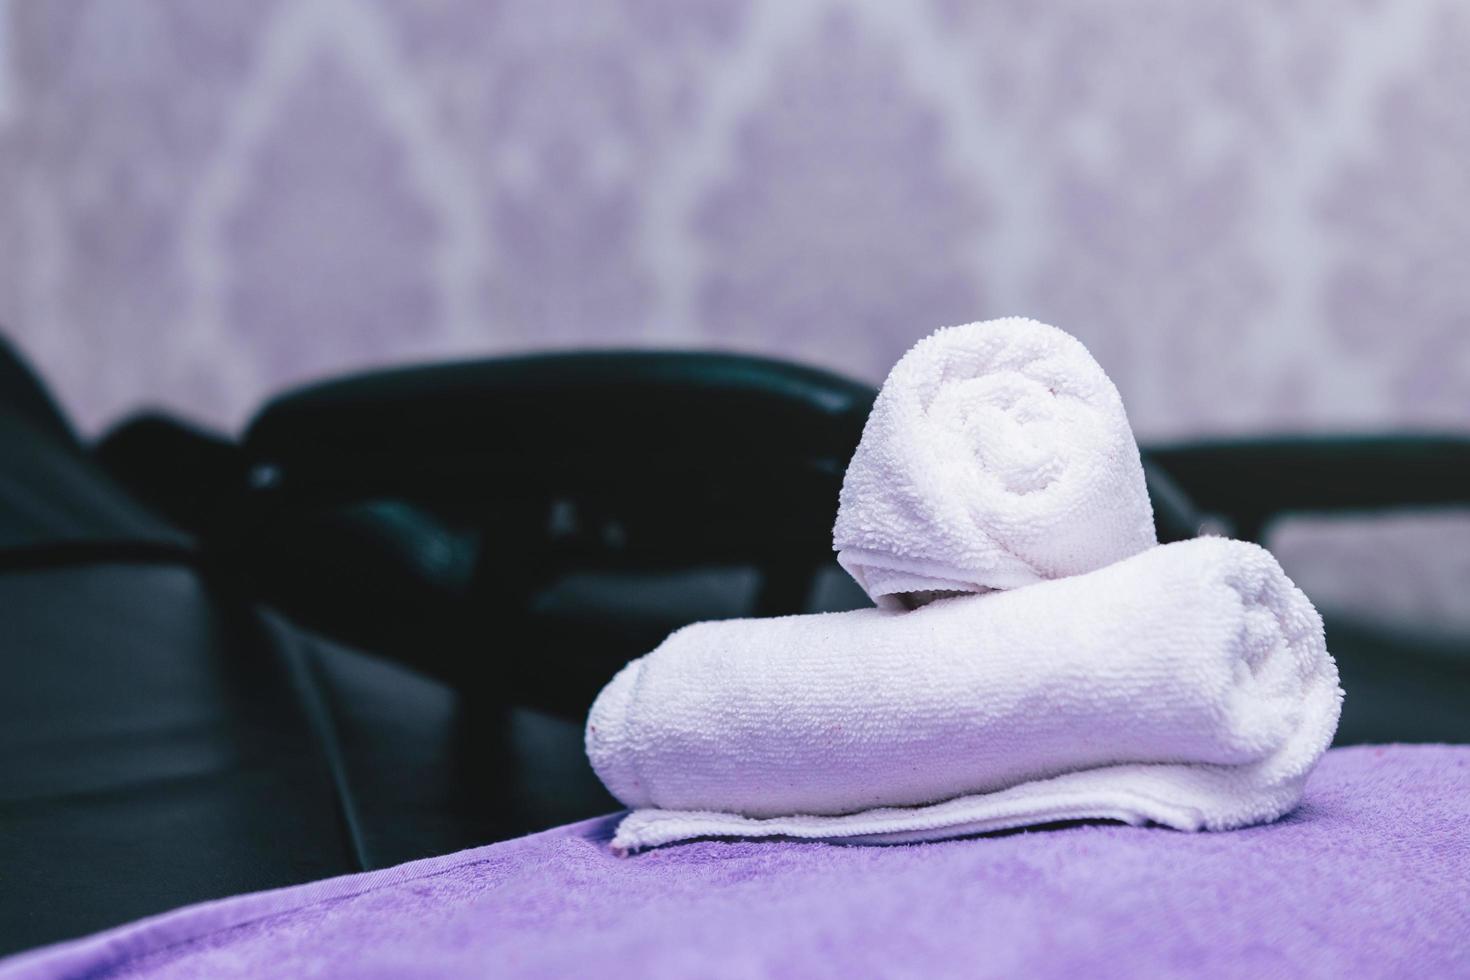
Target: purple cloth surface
{"type": "Point", "coordinates": [1370, 877]}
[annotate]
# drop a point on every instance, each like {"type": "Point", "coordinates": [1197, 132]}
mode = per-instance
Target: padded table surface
{"type": "Point", "coordinates": [1369, 877]}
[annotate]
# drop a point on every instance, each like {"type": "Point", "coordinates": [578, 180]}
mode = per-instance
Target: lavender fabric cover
{"type": "Point", "coordinates": [1369, 877]}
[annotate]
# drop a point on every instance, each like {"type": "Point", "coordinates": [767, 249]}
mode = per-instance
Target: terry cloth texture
{"type": "Point", "coordinates": [1187, 686]}
{"type": "Point", "coordinates": [997, 455]}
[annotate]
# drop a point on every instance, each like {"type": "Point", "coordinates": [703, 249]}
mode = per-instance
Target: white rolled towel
{"type": "Point", "coordinates": [1188, 686]}
{"type": "Point", "coordinates": [997, 455]}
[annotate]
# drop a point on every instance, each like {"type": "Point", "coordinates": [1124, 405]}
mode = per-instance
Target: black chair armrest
{"type": "Point", "coordinates": [1251, 481]}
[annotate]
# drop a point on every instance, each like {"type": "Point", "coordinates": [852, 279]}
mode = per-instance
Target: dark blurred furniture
{"type": "Point", "coordinates": [368, 630]}
{"type": "Point", "coordinates": [173, 731]}
{"type": "Point", "coordinates": [572, 508]}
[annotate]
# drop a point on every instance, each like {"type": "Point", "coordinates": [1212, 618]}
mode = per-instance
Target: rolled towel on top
{"type": "Point", "coordinates": [997, 455]}
{"type": "Point", "coordinates": [1188, 686]}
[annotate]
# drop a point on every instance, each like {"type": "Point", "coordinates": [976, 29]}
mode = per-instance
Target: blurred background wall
{"type": "Point", "coordinates": [1256, 215]}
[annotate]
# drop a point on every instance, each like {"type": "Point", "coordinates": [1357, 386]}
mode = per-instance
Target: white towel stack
{"type": "Point", "coordinates": [1186, 684]}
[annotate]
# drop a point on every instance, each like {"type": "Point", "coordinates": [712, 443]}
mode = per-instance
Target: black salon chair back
{"type": "Point", "coordinates": [544, 519]}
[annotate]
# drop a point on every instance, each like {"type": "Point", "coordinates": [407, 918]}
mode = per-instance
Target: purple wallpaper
{"type": "Point", "coordinates": [1256, 215]}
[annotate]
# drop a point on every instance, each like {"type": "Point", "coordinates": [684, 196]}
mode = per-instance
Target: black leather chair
{"type": "Point", "coordinates": [173, 729]}
{"type": "Point", "coordinates": [572, 508]}
{"type": "Point", "coordinates": [165, 739]}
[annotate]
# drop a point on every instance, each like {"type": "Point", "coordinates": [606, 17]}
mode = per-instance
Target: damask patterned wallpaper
{"type": "Point", "coordinates": [1257, 215]}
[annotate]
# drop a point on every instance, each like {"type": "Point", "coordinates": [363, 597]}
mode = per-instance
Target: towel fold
{"type": "Point", "coordinates": [1188, 685]}
{"type": "Point", "coordinates": [997, 455]}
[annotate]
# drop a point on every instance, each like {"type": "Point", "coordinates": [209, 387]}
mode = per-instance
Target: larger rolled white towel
{"type": "Point", "coordinates": [1188, 685]}
{"type": "Point", "coordinates": [997, 455]}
